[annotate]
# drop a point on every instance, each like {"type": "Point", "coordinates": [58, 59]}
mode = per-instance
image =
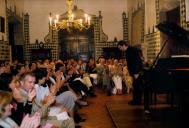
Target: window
{"type": "Point", "coordinates": [2, 24]}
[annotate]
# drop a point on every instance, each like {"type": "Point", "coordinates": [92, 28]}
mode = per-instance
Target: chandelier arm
{"type": "Point", "coordinates": [70, 23]}
{"type": "Point", "coordinates": [70, 7]}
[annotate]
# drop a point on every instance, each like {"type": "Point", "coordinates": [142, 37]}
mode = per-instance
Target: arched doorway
{"type": "Point", "coordinates": [170, 12]}
{"type": "Point", "coordinates": [76, 44]}
{"type": "Point", "coordinates": [15, 29]}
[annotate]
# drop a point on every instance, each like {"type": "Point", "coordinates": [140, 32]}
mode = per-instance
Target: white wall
{"type": "Point", "coordinates": [132, 5]}
{"type": "Point", "coordinates": [19, 4]}
{"type": "Point", "coordinates": [150, 15]}
{"type": "Point", "coordinates": [39, 12]}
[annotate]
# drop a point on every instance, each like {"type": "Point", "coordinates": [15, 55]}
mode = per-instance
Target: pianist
{"type": "Point", "coordinates": [135, 66]}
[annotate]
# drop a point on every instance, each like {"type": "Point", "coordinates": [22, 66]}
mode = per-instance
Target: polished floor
{"type": "Point", "coordinates": [114, 112]}
{"type": "Point", "coordinates": [97, 114]}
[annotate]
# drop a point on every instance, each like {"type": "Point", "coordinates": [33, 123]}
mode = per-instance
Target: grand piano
{"type": "Point", "coordinates": [170, 75]}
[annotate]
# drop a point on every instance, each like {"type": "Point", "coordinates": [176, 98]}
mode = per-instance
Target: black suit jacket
{"type": "Point", "coordinates": [134, 61]}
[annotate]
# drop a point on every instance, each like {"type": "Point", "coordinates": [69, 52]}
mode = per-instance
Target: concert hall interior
{"type": "Point", "coordinates": [94, 63]}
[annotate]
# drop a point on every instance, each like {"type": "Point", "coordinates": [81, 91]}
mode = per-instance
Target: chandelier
{"type": "Point", "coordinates": [71, 22]}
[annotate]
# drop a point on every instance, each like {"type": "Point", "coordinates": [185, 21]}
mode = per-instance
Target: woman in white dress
{"type": "Point", "coordinates": [116, 72]}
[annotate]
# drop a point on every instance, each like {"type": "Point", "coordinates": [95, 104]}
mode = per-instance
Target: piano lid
{"type": "Point", "coordinates": [172, 63]}
{"type": "Point", "coordinates": [175, 32]}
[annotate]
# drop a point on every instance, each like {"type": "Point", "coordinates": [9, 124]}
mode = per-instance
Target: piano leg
{"type": "Point", "coordinates": [146, 97]}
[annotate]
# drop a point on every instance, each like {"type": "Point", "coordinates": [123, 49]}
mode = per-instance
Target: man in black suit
{"type": "Point", "coordinates": [135, 66]}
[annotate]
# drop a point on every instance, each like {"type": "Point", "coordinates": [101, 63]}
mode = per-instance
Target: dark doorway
{"type": "Point", "coordinates": [2, 24]}
{"type": "Point", "coordinates": [112, 53]}
{"type": "Point", "coordinates": [17, 52]}
{"type": "Point", "coordinates": [11, 34]}
{"type": "Point", "coordinates": [173, 15]}
{"type": "Point", "coordinates": [76, 44]}
{"type": "Point", "coordinates": [173, 47]}
{"type": "Point", "coordinates": [16, 41]}
{"type": "Point", "coordinates": [40, 54]}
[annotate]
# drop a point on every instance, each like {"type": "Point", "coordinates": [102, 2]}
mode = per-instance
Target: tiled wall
{"type": "Point", "coordinates": [4, 50]}
{"type": "Point", "coordinates": [183, 13]}
{"type": "Point", "coordinates": [153, 45]}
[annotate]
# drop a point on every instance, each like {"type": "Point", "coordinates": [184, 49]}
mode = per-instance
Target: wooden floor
{"type": "Point", "coordinates": [113, 111]}
{"type": "Point", "coordinates": [97, 114]}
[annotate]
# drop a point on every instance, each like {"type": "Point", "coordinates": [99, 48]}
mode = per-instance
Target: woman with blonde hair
{"type": "Point", "coordinates": [117, 73]}
{"type": "Point", "coordinates": [5, 112]}
{"type": "Point", "coordinates": [127, 78]}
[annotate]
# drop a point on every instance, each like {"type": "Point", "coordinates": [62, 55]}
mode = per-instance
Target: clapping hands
{"type": "Point", "coordinates": [48, 100]}
{"type": "Point", "coordinates": [31, 121]}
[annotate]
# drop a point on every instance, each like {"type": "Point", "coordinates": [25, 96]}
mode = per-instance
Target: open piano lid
{"type": "Point", "coordinates": [175, 32]}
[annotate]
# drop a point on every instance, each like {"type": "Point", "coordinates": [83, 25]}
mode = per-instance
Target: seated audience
{"type": "Point", "coordinates": [5, 113]}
